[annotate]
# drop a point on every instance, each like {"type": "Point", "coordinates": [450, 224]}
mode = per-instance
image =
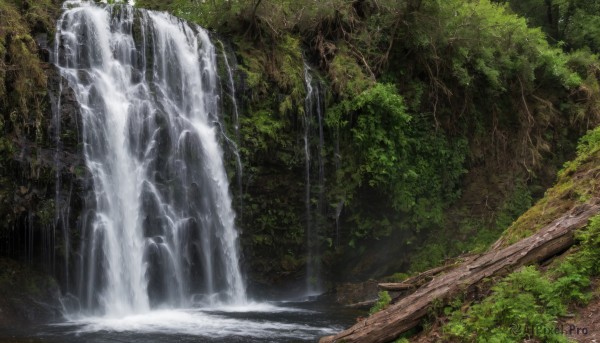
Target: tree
{"type": "Point", "coordinates": [574, 22]}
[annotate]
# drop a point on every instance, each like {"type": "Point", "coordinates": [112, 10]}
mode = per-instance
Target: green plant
{"type": "Point", "coordinates": [522, 300]}
{"type": "Point", "coordinates": [382, 303]}
{"type": "Point", "coordinates": [424, 101]}
{"type": "Point", "coordinates": [526, 303]}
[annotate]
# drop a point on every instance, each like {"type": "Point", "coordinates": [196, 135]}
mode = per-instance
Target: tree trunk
{"type": "Point", "coordinates": [387, 325]}
{"type": "Point", "coordinates": [395, 287]}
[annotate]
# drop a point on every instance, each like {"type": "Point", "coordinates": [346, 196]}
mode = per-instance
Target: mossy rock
{"type": "Point", "coordinates": [28, 296]}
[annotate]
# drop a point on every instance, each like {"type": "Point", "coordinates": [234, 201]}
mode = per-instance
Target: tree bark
{"type": "Point", "coordinates": [395, 287]}
{"type": "Point", "coordinates": [387, 325]}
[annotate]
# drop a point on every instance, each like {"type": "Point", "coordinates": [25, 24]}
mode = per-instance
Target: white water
{"type": "Point", "coordinates": [312, 109]}
{"type": "Point", "coordinates": [158, 253]}
{"type": "Point", "coordinates": [194, 322]}
{"type": "Point", "coordinates": [236, 127]}
{"type": "Point", "coordinates": [215, 325]}
{"type": "Point", "coordinates": [160, 228]}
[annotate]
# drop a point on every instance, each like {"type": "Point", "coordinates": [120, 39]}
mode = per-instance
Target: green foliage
{"type": "Point", "coordinates": [518, 51]}
{"type": "Point", "coordinates": [382, 303]}
{"type": "Point", "coordinates": [415, 168]}
{"type": "Point", "coordinates": [23, 104]}
{"type": "Point", "coordinates": [526, 303]}
{"type": "Point", "coordinates": [155, 4]}
{"type": "Point", "coordinates": [574, 185]}
{"type": "Point", "coordinates": [583, 27]}
{"type": "Point", "coordinates": [450, 40]}
{"type": "Point", "coordinates": [396, 277]}
{"type": "Point", "coordinates": [573, 23]}
{"type": "Point", "coordinates": [589, 144]}
{"type": "Point", "coordinates": [46, 212]}
{"type": "Point", "coordinates": [21, 75]}
{"type": "Point", "coordinates": [211, 14]}
{"type": "Point", "coordinates": [418, 94]}
{"type": "Point", "coordinates": [379, 134]}
{"type": "Point", "coordinates": [348, 78]}
{"type": "Point", "coordinates": [289, 75]}
{"type": "Point", "coordinates": [430, 255]}
{"type": "Point", "coordinates": [523, 300]}
{"type": "Point", "coordinates": [519, 201]}
{"type": "Point", "coordinates": [263, 128]}
{"type": "Point", "coordinates": [573, 275]}
{"type": "Point", "coordinates": [470, 84]}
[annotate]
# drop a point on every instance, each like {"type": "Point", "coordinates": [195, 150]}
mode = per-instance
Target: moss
{"type": "Point", "coordinates": [382, 303]}
{"type": "Point", "coordinates": [396, 277]}
{"type": "Point", "coordinates": [253, 63]}
{"type": "Point", "coordinates": [46, 212]}
{"type": "Point", "coordinates": [516, 204]}
{"type": "Point", "coordinates": [290, 263]}
{"type": "Point", "coordinates": [17, 279]}
{"type": "Point", "coordinates": [24, 110]}
{"type": "Point", "coordinates": [22, 76]}
{"type": "Point", "coordinates": [577, 183]}
{"type": "Point", "coordinates": [288, 57]}
{"type": "Point", "coordinates": [346, 75]}
{"type": "Point", "coordinates": [20, 48]}
{"type": "Point", "coordinates": [531, 299]}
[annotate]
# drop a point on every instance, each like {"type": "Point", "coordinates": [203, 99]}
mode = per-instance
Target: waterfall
{"type": "Point", "coordinates": [159, 229]}
{"type": "Point", "coordinates": [234, 145]}
{"type": "Point", "coordinates": [313, 111]}
{"type": "Point", "coordinates": [62, 204]}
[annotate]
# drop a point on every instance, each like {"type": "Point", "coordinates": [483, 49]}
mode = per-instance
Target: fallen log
{"type": "Point", "coordinates": [387, 325]}
{"type": "Point", "coordinates": [414, 282]}
{"type": "Point", "coordinates": [395, 286]}
{"type": "Point", "coordinates": [363, 304]}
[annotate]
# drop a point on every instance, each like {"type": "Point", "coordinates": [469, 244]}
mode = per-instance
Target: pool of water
{"type": "Point", "coordinates": [256, 322]}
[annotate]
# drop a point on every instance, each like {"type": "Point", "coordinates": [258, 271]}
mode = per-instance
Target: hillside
{"type": "Point", "coordinates": [527, 285]}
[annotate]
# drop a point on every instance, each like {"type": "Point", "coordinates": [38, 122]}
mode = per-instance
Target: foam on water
{"type": "Point", "coordinates": [254, 307]}
{"type": "Point", "coordinates": [199, 322]}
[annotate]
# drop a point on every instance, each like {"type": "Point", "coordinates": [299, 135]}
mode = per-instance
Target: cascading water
{"type": "Point", "coordinates": [160, 227]}
{"type": "Point", "coordinates": [313, 111]}
{"type": "Point", "coordinates": [234, 145]}
{"type": "Point", "coordinates": [158, 243]}
{"type": "Point", "coordinates": [61, 213]}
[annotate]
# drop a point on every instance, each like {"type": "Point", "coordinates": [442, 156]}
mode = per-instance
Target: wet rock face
{"type": "Point", "coordinates": [64, 105]}
{"type": "Point", "coordinates": [43, 185]}
{"type": "Point", "coordinates": [28, 296]}
{"type": "Point", "coordinates": [352, 293]}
